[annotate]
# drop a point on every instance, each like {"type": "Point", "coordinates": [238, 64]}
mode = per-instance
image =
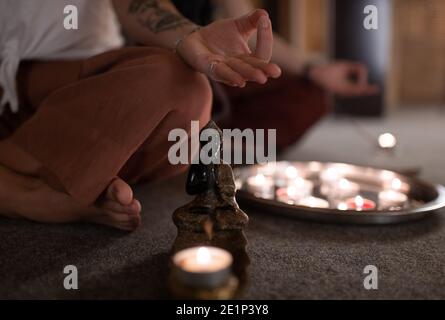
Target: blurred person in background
{"type": "Point", "coordinates": [291, 104]}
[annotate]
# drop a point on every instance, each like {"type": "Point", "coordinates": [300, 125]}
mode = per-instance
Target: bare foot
{"type": "Point", "coordinates": [28, 197]}
{"type": "Point", "coordinates": [119, 208]}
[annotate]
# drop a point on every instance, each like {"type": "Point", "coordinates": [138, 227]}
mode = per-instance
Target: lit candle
{"type": "Point", "coordinates": [343, 206]}
{"type": "Point", "coordinates": [387, 141]}
{"type": "Point", "coordinates": [341, 189]}
{"type": "Point", "coordinates": [261, 186]}
{"type": "Point", "coordinates": [391, 199]}
{"type": "Point", "coordinates": [268, 169]}
{"type": "Point", "coordinates": [396, 184]}
{"type": "Point", "coordinates": [330, 176]}
{"type": "Point", "coordinates": [285, 177]}
{"type": "Point", "coordinates": [289, 195]}
{"type": "Point", "coordinates": [313, 202]}
{"type": "Point", "coordinates": [304, 187]}
{"type": "Point", "coordinates": [360, 204]}
{"type": "Point", "coordinates": [296, 190]}
{"type": "Point", "coordinates": [203, 267]}
{"type": "Point", "coordinates": [291, 173]}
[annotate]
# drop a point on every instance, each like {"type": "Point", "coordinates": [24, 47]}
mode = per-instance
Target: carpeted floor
{"type": "Point", "coordinates": [289, 259]}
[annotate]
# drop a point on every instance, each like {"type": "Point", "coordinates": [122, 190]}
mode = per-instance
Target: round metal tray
{"type": "Point", "coordinates": [424, 198]}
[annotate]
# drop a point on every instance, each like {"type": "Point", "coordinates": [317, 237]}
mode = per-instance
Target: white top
{"type": "Point", "coordinates": [34, 29]}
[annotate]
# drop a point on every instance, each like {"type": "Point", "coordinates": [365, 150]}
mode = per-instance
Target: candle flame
{"type": "Point", "coordinates": [359, 201]}
{"type": "Point", "coordinates": [291, 172]}
{"type": "Point", "coordinates": [387, 141]}
{"type": "Point", "coordinates": [391, 194]}
{"type": "Point", "coordinates": [203, 256]}
{"type": "Point", "coordinates": [299, 182]}
{"type": "Point", "coordinates": [331, 174]}
{"type": "Point", "coordinates": [292, 191]}
{"type": "Point", "coordinates": [344, 184]}
{"type": "Point", "coordinates": [396, 184]}
{"type": "Point", "coordinates": [260, 179]}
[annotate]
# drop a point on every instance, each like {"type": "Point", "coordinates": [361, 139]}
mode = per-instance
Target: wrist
{"type": "Point", "coordinates": [179, 41]}
{"type": "Point", "coordinates": [184, 45]}
{"type": "Point", "coordinates": [306, 71]}
{"type": "Point", "coordinates": [309, 69]}
{"type": "Point", "coordinates": [311, 72]}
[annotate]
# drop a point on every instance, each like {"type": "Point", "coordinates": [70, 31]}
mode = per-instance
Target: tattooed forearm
{"type": "Point", "coordinates": [152, 15]}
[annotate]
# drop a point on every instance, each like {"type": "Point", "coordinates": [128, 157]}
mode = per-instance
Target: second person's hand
{"type": "Point", "coordinates": [344, 78]}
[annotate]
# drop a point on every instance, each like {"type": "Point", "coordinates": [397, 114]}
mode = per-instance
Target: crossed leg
{"type": "Point", "coordinates": [115, 127]}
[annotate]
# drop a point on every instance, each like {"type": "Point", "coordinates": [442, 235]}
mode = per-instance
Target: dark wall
{"type": "Point", "coordinates": [353, 42]}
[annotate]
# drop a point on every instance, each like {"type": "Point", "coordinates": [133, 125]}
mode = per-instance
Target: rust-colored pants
{"type": "Point", "coordinates": [91, 120]}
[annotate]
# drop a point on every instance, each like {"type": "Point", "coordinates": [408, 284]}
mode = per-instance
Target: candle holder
{"type": "Point", "coordinates": [224, 292]}
{"type": "Point", "coordinates": [356, 195]}
{"type": "Point", "coordinates": [233, 241]}
{"type": "Point", "coordinates": [392, 200]}
{"type": "Point", "coordinates": [203, 267]}
{"type": "Point", "coordinates": [203, 273]}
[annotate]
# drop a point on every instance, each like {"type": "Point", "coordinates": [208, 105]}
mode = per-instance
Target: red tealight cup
{"type": "Point", "coordinates": [361, 204]}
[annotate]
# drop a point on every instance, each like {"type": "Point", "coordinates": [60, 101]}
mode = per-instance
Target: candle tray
{"type": "Point", "coordinates": [423, 198]}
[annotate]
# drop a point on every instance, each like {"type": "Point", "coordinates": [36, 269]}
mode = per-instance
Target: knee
{"type": "Point", "coordinates": [159, 80]}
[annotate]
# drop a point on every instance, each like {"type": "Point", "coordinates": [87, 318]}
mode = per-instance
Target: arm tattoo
{"type": "Point", "coordinates": [154, 17]}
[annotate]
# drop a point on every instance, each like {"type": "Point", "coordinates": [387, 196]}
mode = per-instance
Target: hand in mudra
{"type": "Point", "coordinates": [221, 50]}
{"type": "Point", "coordinates": [344, 78]}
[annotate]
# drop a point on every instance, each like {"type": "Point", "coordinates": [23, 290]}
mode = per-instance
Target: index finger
{"type": "Point", "coordinates": [264, 45]}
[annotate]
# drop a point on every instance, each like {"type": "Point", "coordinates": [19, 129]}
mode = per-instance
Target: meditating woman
{"type": "Point", "coordinates": [83, 118]}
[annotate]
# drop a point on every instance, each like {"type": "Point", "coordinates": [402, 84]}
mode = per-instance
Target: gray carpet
{"type": "Point", "coordinates": [289, 259]}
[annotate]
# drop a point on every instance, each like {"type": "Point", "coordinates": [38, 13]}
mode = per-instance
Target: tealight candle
{"type": "Point", "coordinates": [289, 195]}
{"type": "Point", "coordinates": [304, 187]}
{"type": "Point", "coordinates": [387, 141]}
{"type": "Point", "coordinates": [360, 204]}
{"type": "Point", "coordinates": [392, 199]}
{"type": "Point", "coordinates": [285, 177]}
{"type": "Point", "coordinates": [296, 190]}
{"type": "Point", "coordinates": [343, 206]}
{"type": "Point", "coordinates": [396, 184]}
{"type": "Point", "coordinates": [203, 267]}
{"type": "Point", "coordinates": [261, 186]}
{"type": "Point", "coordinates": [313, 202]}
{"type": "Point", "coordinates": [341, 189]}
{"type": "Point", "coordinates": [291, 173]}
{"type": "Point", "coordinates": [330, 176]}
